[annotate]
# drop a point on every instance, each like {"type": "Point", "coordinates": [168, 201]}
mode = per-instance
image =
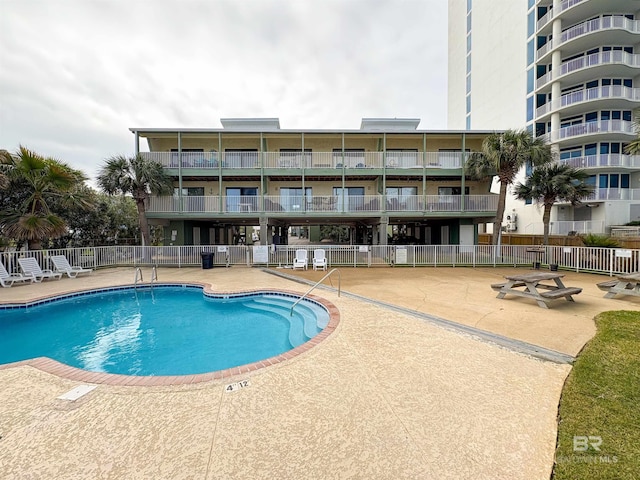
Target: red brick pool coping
{"type": "Point", "coordinates": [72, 373]}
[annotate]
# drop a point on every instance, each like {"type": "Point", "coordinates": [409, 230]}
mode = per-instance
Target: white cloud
{"type": "Point", "coordinates": [75, 74]}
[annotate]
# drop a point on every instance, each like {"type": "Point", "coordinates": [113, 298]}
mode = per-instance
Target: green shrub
{"type": "Point", "coordinates": [593, 240]}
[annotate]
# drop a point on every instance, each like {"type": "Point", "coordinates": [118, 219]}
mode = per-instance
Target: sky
{"type": "Point", "coordinates": [75, 75]}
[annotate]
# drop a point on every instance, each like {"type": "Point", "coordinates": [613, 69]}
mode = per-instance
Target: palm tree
{"type": "Point", "coordinates": [553, 183]}
{"type": "Point", "coordinates": [34, 183]}
{"type": "Point", "coordinates": [633, 148]}
{"type": "Point", "coordinates": [138, 177]}
{"type": "Point", "coordinates": [503, 155]}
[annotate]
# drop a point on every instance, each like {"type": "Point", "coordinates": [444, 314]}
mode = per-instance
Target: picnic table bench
{"type": "Point", "coordinates": [542, 293]}
{"type": "Point", "coordinates": [625, 284]}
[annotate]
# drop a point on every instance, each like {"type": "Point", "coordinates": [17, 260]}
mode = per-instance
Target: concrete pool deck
{"type": "Point", "coordinates": [387, 395]}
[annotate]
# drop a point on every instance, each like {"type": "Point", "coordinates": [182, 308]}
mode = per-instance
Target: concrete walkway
{"type": "Point", "coordinates": [386, 396]}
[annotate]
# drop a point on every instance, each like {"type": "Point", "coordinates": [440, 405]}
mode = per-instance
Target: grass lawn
{"type": "Point", "coordinates": [599, 419]}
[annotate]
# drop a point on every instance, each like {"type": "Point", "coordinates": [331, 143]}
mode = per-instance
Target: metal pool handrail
{"type": "Point", "coordinates": [315, 285]}
{"type": "Point", "coordinates": [138, 276]}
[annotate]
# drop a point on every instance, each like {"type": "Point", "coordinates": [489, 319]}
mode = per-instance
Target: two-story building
{"type": "Point", "coordinates": [387, 180]}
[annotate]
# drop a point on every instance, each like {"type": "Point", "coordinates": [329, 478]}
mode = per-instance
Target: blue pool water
{"type": "Point", "coordinates": [170, 330]}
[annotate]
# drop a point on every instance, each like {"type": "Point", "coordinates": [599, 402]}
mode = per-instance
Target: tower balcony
{"type": "Point", "coordinates": [605, 161]}
{"type": "Point", "coordinates": [613, 63]}
{"type": "Point", "coordinates": [603, 130]}
{"type": "Point", "coordinates": [614, 30]}
{"type": "Point", "coordinates": [613, 96]}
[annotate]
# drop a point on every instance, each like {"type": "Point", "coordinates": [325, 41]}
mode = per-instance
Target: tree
{"type": "Point", "coordinates": [138, 177]}
{"type": "Point", "coordinates": [32, 184]}
{"type": "Point", "coordinates": [112, 220]}
{"type": "Point", "coordinates": [503, 155]}
{"type": "Point", "coordinates": [633, 148]}
{"type": "Point", "coordinates": [553, 183]}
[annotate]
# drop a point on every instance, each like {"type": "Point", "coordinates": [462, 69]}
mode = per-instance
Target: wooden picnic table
{"type": "Point", "coordinates": [530, 285]}
{"type": "Point", "coordinates": [625, 284]}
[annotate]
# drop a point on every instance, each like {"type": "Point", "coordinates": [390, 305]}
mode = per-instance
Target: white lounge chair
{"type": "Point", "coordinates": [319, 259]}
{"type": "Point", "coordinates": [8, 279]}
{"type": "Point", "coordinates": [61, 264]}
{"type": "Point", "coordinates": [301, 260]}
{"type": "Point", "coordinates": [31, 268]}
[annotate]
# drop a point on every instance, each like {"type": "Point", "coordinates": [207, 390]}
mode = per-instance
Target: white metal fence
{"type": "Point", "coordinates": [580, 259]}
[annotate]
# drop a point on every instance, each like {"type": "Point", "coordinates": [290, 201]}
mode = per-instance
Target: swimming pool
{"type": "Point", "coordinates": [167, 330]}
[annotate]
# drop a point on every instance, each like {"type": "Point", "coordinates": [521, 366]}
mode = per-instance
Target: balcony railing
{"type": "Point", "coordinates": [322, 204]}
{"type": "Point", "coordinates": [616, 57]}
{"type": "Point", "coordinates": [308, 160]}
{"type": "Point", "coordinates": [568, 227]}
{"type": "Point", "coordinates": [603, 160]}
{"type": "Point", "coordinates": [598, 93]}
{"type": "Point", "coordinates": [616, 194]}
{"type": "Point", "coordinates": [617, 22]}
{"type": "Point", "coordinates": [591, 128]}
{"type": "Point", "coordinates": [551, 13]}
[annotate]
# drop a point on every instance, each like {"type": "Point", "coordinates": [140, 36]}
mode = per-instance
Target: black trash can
{"type": "Point", "coordinates": [207, 260]}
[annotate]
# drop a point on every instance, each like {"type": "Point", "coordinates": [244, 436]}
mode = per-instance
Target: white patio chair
{"type": "Point", "coordinates": [301, 260]}
{"type": "Point", "coordinates": [61, 264]}
{"type": "Point", "coordinates": [319, 259]}
{"type": "Point", "coordinates": [31, 268]}
{"type": "Point", "coordinates": [8, 279]}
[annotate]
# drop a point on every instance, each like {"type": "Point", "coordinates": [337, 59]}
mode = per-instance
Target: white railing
{"type": "Point", "coordinates": [591, 128]}
{"type": "Point", "coordinates": [184, 204]}
{"type": "Point", "coordinates": [609, 261]}
{"type": "Point", "coordinates": [544, 79]}
{"type": "Point", "coordinates": [591, 94]}
{"type": "Point", "coordinates": [603, 160]}
{"type": "Point", "coordinates": [625, 231]}
{"type": "Point", "coordinates": [616, 22]}
{"type": "Point", "coordinates": [545, 19]}
{"type": "Point", "coordinates": [322, 203]}
{"type": "Point", "coordinates": [567, 227]}
{"type": "Point", "coordinates": [615, 194]}
{"type": "Point", "coordinates": [600, 58]}
{"type": "Point", "coordinates": [308, 160]}
{"type": "Point", "coordinates": [588, 61]}
{"type": "Point", "coordinates": [566, 4]}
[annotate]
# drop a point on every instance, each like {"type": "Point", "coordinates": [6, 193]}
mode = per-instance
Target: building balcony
{"type": "Point", "coordinates": [568, 227]}
{"type": "Point", "coordinates": [615, 129]}
{"type": "Point", "coordinates": [603, 161]}
{"type": "Point", "coordinates": [623, 194]}
{"type": "Point", "coordinates": [614, 30]}
{"type": "Point", "coordinates": [321, 204]}
{"type": "Point", "coordinates": [307, 161]}
{"type": "Point", "coordinates": [551, 14]}
{"type": "Point", "coordinates": [617, 63]}
{"type": "Point", "coordinates": [615, 96]}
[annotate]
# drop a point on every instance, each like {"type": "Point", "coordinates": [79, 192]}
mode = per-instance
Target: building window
{"type": "Point", "coordinates": [529, 109]}
{"type": "Point", "coordinates": [531, 23]}
{"type": "Point", "coordinates": [530, 81]}
{"type": "Point", "coordinates": [531, 52]}
{"type": "Point", "coordinates": [452, 190]}
{"type": "Point", "coordinates": [468, 104]}
{"type": "Point", "coordinates": [291, 199]}
{"type": "Point", "coordinates": [294, 158]}
{"type": "Point", "coordinates": [242, 199]}
{"type": "Point", "coordinates": [236, 158]}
